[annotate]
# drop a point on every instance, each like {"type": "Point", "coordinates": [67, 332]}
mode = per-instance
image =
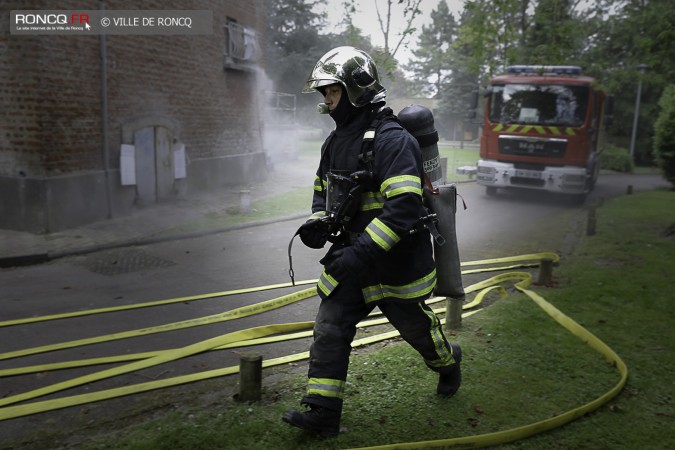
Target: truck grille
{"type": "Point", "coordinates": [520, 181]}
{"type": "Point", "coordinates": [532, 146]}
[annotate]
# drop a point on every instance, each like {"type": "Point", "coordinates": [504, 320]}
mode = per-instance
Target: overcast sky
{"type": "Point", "coordinates": [365, 18]}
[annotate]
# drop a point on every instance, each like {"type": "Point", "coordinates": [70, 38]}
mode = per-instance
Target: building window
{"type": "Point", "coordinates": [242, 48]}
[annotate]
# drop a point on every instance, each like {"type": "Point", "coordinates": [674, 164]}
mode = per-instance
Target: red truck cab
{"type": "Point", "coordinates": [541, 130]}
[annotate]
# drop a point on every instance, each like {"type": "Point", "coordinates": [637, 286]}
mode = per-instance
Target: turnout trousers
{"type": "Point", "coordinates": [334, 331]}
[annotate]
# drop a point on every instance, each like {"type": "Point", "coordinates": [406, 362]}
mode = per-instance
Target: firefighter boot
{"type": "Point", "coordinates": [448, 383]}
{"type": "Point", "coordinates": [325, 422]}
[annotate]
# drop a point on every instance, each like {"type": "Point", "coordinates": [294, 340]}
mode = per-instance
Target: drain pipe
{"type": "Point", "coordinates": [104, 116]}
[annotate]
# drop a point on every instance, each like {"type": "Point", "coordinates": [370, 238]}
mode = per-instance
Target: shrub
{"type": "Point", "coordinates": [616, 158]}
{"type": "Point", "coordinates": [664, 134]}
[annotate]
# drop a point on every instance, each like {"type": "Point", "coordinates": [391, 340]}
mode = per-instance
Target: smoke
{"type": "Point", "coordinates": [291, 142]}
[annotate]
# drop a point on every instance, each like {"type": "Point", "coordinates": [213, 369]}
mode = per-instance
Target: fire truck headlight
{"type": "Point", "coordinates": [573, 181]}
{"type": "Point", "coordinates": [486, 174]}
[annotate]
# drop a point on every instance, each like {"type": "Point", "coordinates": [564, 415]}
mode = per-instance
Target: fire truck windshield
{"type": "Point", "coordinates": [539, 104]}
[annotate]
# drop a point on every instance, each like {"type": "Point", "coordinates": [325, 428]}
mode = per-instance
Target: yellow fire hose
{"type": "Point", "coordinates": [279, 332]}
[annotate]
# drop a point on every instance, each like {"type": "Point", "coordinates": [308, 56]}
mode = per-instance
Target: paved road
{"type": "Point", "coordinates": [512, 222]}
{"type": "Point", "coordinates": [518, 220]}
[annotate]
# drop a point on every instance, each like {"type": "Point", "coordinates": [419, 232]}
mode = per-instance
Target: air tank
{"type": "Point", "coordinates": [419, 121]}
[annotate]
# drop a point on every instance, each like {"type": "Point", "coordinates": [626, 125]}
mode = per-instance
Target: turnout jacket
{"type": "Point", "coordinates": [384, 258]}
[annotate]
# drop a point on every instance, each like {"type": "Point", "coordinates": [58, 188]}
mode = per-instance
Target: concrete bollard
{"type": "Point", "coordinates": [244, 201]}
{"type": "Point", "coordinates": [250, 378]}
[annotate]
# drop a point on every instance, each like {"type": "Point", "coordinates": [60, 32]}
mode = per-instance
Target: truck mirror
{"type": "Point", "coordinates": [474, 100]}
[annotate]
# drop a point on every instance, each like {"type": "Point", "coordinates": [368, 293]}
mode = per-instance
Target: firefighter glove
{"type": "Point", "coordinates": [313, 234]}
{"type": "Point", "coordinates": [343, 264]}
{"type": "Point", "coordinates": [335, 266]}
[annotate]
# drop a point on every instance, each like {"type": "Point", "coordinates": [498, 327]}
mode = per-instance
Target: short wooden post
{"type": "Point", "coordinates": [629, 189]}
{"type": "Point", "coordinates": [545, 272]}
{"type": "Point", "coordinates": [590, 225]}
{"type": "Point", "coordinates": [453, 313]}
{"type": "Point", "coordinates": [250, 378]}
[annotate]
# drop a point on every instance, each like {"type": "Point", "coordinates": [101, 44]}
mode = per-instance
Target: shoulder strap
{"type": "Point", "coordinates": [367, 154]}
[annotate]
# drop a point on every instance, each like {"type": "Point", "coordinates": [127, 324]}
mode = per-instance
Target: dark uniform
{"type": "Point", "coordinates": [388, 266]}
{"type": "Point", "coordinates": [378, 262]}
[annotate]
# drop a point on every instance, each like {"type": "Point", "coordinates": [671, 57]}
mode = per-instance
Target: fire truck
{"type": "Point", "coordinates": [542, 130]}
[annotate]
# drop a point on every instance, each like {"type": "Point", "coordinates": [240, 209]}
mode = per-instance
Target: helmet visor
{"type": "Point", "coordinates": [312, 85]}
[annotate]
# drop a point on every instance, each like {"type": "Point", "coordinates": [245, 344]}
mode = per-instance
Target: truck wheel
{"type": "Point", "coordinates": [491, 191]}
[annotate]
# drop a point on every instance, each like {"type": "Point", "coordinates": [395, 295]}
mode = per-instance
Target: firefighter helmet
{"type": "Point", "coordinates": [354, 69]}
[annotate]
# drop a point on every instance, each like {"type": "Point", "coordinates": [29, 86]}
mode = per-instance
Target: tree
{"type": "Point", "coordinates": [629, 33]}
{"type": "Point", "coordinates": [495, 34]}
{"type": "Point", "coordinates": [293, 42]}
{"type": "Point", "coordinates": [554, 35]}
{"type": "Point", "coordinates": [435, 68]}
{"type": "Point", "coordinates": [293, 47]}
{"type": "Point", "coordinates": [433, 57]}
{"type": "Point", "coordinates": [490, 33]}
{"type": "Point", "coordinates": [471, 58]}
{"type": "Point", "coordinates": [664, 134]}
{"type": "Point", "coordinates": [385, 57]}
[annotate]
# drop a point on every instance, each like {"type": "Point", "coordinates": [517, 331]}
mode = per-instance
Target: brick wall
{"type": "Point", "coordinates": [51, 114]}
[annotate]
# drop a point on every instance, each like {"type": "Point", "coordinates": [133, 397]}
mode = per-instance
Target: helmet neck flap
{"type": "Point", "coordinates": [343, 111]}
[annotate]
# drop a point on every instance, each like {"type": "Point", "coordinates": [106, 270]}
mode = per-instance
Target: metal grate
{"type": "Point", "coordinates": [123, 261]}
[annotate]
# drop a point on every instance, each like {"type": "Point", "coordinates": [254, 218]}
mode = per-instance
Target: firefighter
{"type": "Point", "coordinates": [377, 262]}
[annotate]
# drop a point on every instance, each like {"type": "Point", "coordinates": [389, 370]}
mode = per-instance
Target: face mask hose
{"type": "Point", "coordinates": [343, 196]}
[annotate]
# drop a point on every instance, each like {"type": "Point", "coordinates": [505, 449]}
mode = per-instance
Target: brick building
{"type": "Point", "coordinates": [174, 114]}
